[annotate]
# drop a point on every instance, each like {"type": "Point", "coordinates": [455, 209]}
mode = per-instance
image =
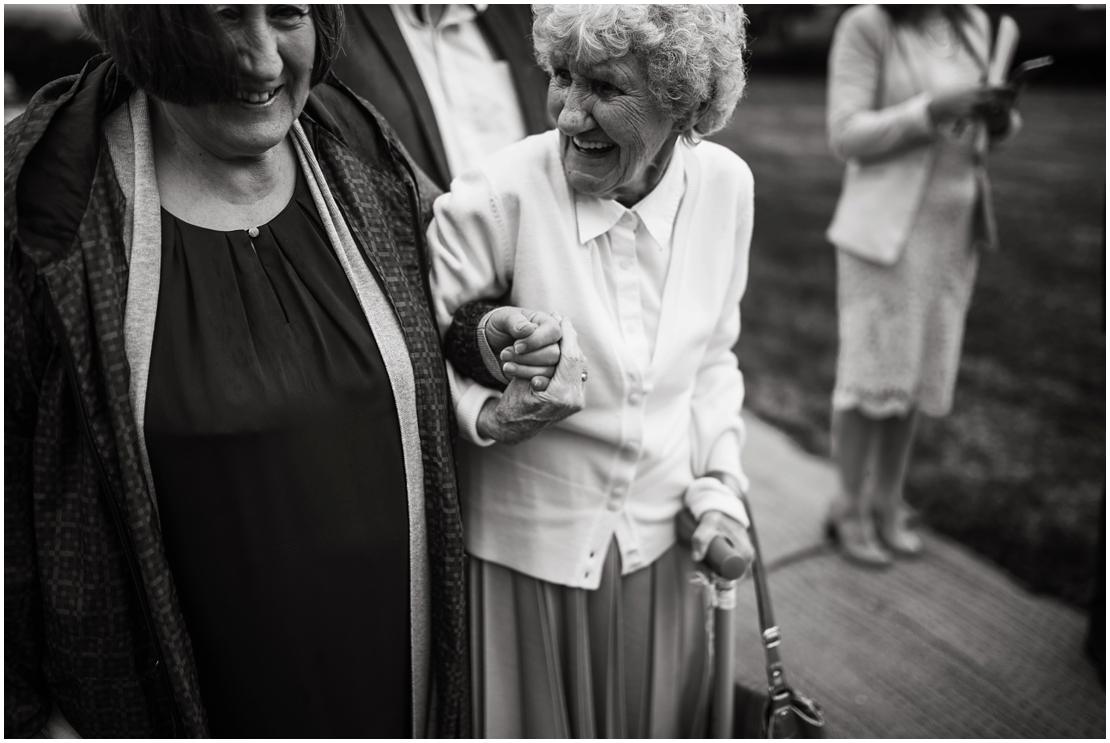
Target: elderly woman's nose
{"type": "Point", "coordinates": [575, 116]}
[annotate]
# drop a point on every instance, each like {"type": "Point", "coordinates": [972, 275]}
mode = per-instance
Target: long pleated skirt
{"type": "Point", "coordinates": [628, 660]}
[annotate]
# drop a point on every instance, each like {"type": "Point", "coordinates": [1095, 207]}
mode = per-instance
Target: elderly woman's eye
{"type": "Point", "coordinates": [606, 88]}
{"type": "Point", "coordinates": [561, 76]}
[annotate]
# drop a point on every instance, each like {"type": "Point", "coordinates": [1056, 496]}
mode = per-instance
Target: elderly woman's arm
{"type": "Point", "coordinates": [471, 258]}
{"type": "Point", "coordinates": [717, 431]}
{"type": "Point", "coordinates": [858, 128]}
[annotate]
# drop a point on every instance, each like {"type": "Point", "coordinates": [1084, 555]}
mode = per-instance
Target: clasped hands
{"type": "Point", "coordinates": [547, 374]}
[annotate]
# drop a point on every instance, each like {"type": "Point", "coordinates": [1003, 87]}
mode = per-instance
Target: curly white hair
{"type": "Point", "coordinates": [693, 55]}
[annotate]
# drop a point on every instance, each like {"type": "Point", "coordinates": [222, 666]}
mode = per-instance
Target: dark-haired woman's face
{"type": "Point", "coordinates": [277, 48]}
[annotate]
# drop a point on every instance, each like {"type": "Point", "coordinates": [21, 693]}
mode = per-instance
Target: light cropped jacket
{"type": "Point", "coordinates": [879, 123]}
{"type": "Point", "coordinates": [633, 458]}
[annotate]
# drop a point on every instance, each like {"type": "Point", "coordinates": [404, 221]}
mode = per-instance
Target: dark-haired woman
{"type": "Point", "coordinates": [230, 501]}
{"type": "Point", "coordinates": [911, 113]}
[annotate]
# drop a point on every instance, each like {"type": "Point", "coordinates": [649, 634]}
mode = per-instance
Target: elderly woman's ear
{"type": "Point", "coordinates": [689, 126]}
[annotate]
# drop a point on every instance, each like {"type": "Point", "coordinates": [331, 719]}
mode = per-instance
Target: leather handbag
{"type": "Point", "coordinates": [780, 712]}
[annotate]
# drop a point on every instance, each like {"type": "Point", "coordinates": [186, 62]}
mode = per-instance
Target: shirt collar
{"type": "Point", "coordinates": [453, 15]}
{"type": "Point", "coordinates": [657, 210]}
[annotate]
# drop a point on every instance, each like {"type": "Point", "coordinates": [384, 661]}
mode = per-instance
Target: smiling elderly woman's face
{"type": "Point", "coordinates": [628, 79]}
{"type": "Point", "coordinates": [615, 138]}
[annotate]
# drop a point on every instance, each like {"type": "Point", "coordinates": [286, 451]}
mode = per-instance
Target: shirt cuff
{"type": "Point", "coordinates": [467, 409]}
{"type": "Point", "coordinates": [710, 494]}
{"type": "Point", "coordinates": [493, 364]}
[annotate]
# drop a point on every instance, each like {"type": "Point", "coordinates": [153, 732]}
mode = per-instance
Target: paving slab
{"type": "Point", "coordinates": [947, 645]}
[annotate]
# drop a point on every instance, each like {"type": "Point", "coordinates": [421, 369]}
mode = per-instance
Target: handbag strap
{"type": "Point", "coordinates": [768, 630]}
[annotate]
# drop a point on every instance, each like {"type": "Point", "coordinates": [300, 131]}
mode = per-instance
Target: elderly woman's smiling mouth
{"type": "Point", "coordinates": [592, 148]}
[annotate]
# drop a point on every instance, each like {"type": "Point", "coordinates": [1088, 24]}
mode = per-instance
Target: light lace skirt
{"type": "Point", "coordinates": [629, 660]}
{"type": "Point", "coordinates": [901, 327]}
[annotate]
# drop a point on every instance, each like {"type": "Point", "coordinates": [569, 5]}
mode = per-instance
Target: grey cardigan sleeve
{"type": "Point", "coordinates": [857, 124]}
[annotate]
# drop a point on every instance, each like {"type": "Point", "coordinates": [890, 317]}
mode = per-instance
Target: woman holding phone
{"type": "Point", "coordinates": [910, 111]}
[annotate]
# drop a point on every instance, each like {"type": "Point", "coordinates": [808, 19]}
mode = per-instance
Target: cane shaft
{"type": "Point", "coordinates": [724, 653]}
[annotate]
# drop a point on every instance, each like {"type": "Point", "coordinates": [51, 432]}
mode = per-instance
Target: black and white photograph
{"type": "Point", "coordinates": [555, 371]}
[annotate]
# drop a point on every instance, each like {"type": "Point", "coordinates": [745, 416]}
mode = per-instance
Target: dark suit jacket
{"type": "Point", "coordinates": [377, 65]}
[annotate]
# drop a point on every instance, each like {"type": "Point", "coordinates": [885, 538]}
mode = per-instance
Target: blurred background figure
{"type": "Point", "coordinates": [910, 112]}
{"type": "Point", "coordinates": [456, 82]}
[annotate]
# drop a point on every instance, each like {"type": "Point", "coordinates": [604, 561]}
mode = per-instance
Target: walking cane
{"type": "Point", "coordinates": [726, 566]}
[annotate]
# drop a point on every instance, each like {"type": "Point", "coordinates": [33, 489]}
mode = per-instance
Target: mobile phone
{"type": "Point", "coordinates": [1022, 74]}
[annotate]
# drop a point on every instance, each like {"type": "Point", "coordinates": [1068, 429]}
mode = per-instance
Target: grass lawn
{"type": "Point", "coordinates": [1017, 471]}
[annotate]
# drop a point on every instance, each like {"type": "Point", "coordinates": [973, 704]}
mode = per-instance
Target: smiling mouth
{"type": "Point", "coordinates": [257, 97]}
{"type": "Point", "coordinates": [592, 148]}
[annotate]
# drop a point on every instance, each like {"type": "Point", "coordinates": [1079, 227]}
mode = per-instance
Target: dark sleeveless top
{"type": "Point", "coordinates": [277, 462]}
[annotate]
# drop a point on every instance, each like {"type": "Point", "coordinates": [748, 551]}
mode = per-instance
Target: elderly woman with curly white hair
{"type": "Point", "coordinates": [584, 619]}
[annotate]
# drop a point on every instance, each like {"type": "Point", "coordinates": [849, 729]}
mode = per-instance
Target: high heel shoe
{"type": "Point", "coordinates": [896, 535]}
{"type": "Point", "coordinates": [857, 540]}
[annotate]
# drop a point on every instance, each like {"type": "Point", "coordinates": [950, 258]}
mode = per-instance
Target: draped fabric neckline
{"type": "Point", "coordinates": [300, 195]}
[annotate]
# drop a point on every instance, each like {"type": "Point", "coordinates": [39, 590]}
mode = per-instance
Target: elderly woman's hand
{"type": "Point", "coordinates": [526, 342]}
{"type": "Point", "coordinates": [715, 524]}
{"type": "Point", "coordinates": [523, 411]}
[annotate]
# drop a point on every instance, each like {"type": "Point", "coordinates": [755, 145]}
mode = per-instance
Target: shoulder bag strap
{"type": "Point", "coordinates": [769, 631]}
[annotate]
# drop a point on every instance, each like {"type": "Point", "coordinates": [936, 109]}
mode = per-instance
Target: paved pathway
{"type": "Point", "coordinates": [944, 646]}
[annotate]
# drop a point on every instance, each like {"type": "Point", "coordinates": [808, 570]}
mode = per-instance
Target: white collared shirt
{"type": "Point", "coordinates": [632, 249]}
{"type": "Point", "coordinates": [472, 93]}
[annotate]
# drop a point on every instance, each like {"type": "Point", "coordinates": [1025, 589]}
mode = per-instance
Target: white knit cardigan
{"type": "Point", "coordinates": [635, 456]}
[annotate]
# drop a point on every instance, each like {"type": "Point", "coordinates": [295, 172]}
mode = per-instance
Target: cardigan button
{"type": "Point", "coordinates": [634, 398]}
{"type": "Point", "coordinates": [614, 504]}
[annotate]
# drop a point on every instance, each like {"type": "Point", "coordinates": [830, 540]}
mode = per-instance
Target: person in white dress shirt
{"type": "Point", "coordinates": [471, 91]}
{"type": "Point", "coordinates": [584, 622]}
{"type": "Point", "coordinates": [457, 82]}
